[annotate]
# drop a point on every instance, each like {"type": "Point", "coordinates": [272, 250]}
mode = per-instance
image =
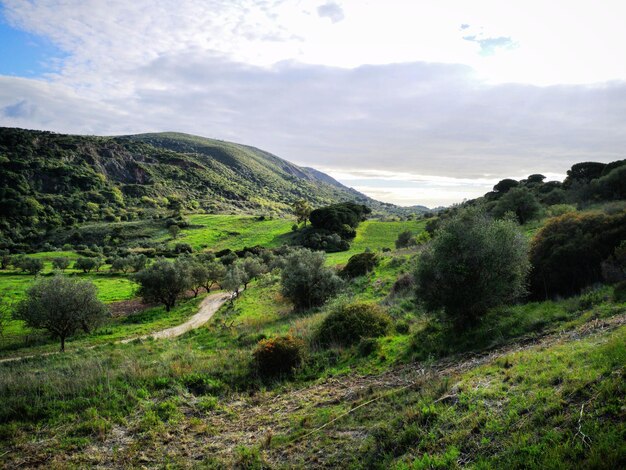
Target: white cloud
{"type": "Point", "coordinates": [276, 75]}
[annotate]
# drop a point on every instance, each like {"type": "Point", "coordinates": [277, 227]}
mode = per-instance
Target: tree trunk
{"type": "Point", "coordinates": [62, 343]}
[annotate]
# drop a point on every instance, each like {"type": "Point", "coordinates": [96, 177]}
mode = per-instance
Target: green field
{"type": "Point", "coordinates": [218, 232]}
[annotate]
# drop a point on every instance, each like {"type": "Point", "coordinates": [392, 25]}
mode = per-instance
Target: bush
{"type": "Point", "coordinates": [85, 264]}
{"type": "Point", "coordinates": [405, 239]}
{"type": "Point", "coordinates": [306, 281]}
{"type": "Point", "coordinates": [278, 356]}
{"type": "Point", "coordinates": [567, 253]}
{"type": "Point", "coordinates": [29, 265]}
{"type": "Point", "coordinates": [402, 327]}
{"type": "Point", "coordinates": [619, 292]}
{"type": "Point", "coordinates": [359, 265]}
{"type": "Point", "coordinates": [405, 283]}
{"type": "Point", "coordinates": [474, 263]}
{"type": "Point", "coordinates": [61, 263]}
{"type": "Point", "coordinates": [367, 346]}
{"type": "Point", "coordinates": [521, 202]}
{"type": "Point", "coordinates": [347, 324]}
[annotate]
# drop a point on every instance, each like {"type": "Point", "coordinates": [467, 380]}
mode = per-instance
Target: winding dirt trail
{"type": "Point", "coordinates": [208, 307]}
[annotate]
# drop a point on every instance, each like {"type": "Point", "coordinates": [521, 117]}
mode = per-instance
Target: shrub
{"type": "Point", "coordinates": [405, 283]}
{"type": "Point", "coordinates": [278, 356]}
{"type": "Point", "coordinates": [367, 346]}
{"type": "Point", "coordinates": [306, 281]}
{"type": "Point", "coordinates": [61, 263]}
{"type": "Point", "coordinates": [62, 306]}
{"type": "Point", "coordinates": [347, 324]}
{"type": "Point", "coordinates": [619, 292]}
{"type": "Point", "coordinates": [405, 239]}
{"type": "Point", "coordinates": [402, 327]}
{"type": "Point", "coordinates": [29, 265]}
{"type": "Point", "coordinates": [474, 263]}
{"type": "Point", "coordinates": [359, 265]}
{"type": "Point", "coordinates": [521, 202]}
{"type": "Point", "coordinates": [567, 253]}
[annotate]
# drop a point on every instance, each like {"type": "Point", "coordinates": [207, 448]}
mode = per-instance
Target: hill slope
{"type": "Point", "coordinates": [49, 180]}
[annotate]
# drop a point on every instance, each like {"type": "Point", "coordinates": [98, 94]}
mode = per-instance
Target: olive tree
{"type": "Point", "coordinates": [306, 281]}
{"type": "Point", "coordinates": [61, 263]}
{"type": "Point", "coordinates": [473, 263]}
{"type": "Point", "coordinates": [62, 306]}
{"type": "Point", "coordinates": [164, 282]}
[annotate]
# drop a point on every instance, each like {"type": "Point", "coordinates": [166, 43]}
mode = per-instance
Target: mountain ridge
{"type": "Point", "coordinates": [51, 180]}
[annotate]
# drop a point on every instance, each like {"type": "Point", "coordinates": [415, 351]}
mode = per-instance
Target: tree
{"type": "Point", "coordinates": [61, 263]}
{"type": "Point", "coordinates": [164, 282]}
{"type": "Point", "coordinates": [251, 269]}
{"type": "Point", "coordinates": [505, 185]}
{"type": "Point", "coordinates": [199, 276]}
{"type": "Point", "coordinates": [215, 274]}
{"type": "Point", "coordinates": [5, 314]}
{"type": "Point", "coordinates": [302, 209]}
{"type": "Point", "coordinates": [473, 263]}
{"type": "Point", "coordinates": [535, 178]}
{"type": "Point", "coordinates": [306, 281]}
{"type": "Point", "coordinates": [174, 231]}
{"type": "Point", "coordinates": [85, 264]}
{"type": "Point", "coordinates": [520, 201]}
{"type": "Point", "coordinates": [5, 259]}
{"type": "Point", "coordinates": [359, 265]}
{"type": "Point", "coordinates": [29, 265]}
{"type": "Point", "coordinates": [120, 264]}
{"type": "Point", "coordinates": [233, 279]}
{"type": "Point", "coordinates": [405, 239]}
{"type": "Point", "coordinates": [583, 173]}
{"type": "Point", "coordinates": [62, 306]}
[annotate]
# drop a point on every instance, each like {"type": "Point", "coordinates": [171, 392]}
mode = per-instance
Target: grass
{"type": "Point", "coordinates": [218, 232]}
{"type": "Point", "coordinates": [375, 235]}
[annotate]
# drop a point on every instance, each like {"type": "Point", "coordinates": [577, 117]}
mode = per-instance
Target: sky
{"type": "Point", "coordinates": [408, 101]}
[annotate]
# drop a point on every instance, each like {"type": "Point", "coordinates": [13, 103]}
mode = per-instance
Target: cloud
{"type": "Point", "coordinates": [488, 46]}
{"type": "Point", "coordinates": [332, 11]}
{"type": "Point", "coordinates": [247, 71]}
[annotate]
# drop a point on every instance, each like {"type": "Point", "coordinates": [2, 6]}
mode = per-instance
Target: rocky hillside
{"type": "Point", "coordinates": [49, 181]}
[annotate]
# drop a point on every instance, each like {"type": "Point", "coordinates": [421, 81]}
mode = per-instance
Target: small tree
{"type": "Point", "coordinates": [5, 259]}
{"type": "Point", "coordinates": [164, 282]}
{"type": "Point", "coordinates": [251, 269]}
{"type": "Point", "coordinates": [521, 202]}
{"type": "Point", "coordinates": [62, 306]}
{"type": "Point", "coordinates": [98, 263]}
{"type": "Point", "coordinates": [174, 231]}
{"type": "Point", "coordinates": [85, 264]}
{"type": "Point", "coordinates": [302, 209]}
{"type": "Point", "coordinates": [306, 281]}
{"type": "Point", "coordinates": [474, 263]}
{"type": "Point", "coordinates": [233, 279]}
{"type": "Point", "coordinates": [405, 239]}
{"type": "Point", "coordinates": [30, 265]}
{"type": "Point", "coordinates": [61, 263]}
{"type": "Point", "coordinates": [215, 274]}
{"type": "Point", "coordinates": [120, 264]}
{"type": "Point", "coordinates": [199, 277]}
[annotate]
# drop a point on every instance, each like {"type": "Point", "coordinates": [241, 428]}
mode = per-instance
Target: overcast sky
{"type": "Point", "coordinates": [411, 102]}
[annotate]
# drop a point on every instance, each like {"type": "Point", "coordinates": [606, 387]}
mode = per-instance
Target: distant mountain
{"type": "Point", "coordinates": [49, 181]}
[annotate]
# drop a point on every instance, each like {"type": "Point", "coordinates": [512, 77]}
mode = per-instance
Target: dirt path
{"type": "Point", "coordinates": [208, 307]}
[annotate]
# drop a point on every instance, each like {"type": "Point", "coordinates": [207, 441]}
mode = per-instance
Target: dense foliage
{"type": "Point", "coordinates": [348, 324]}
{"type": "Point", "coordinates": [341, 218]}
{"type": "Point", "coordinates": [306, 281]}
{"type": "Point", "coordinates": [164, 282]}
{"type": "Point", "coordinates": [474, 263]}
{"type": "Point", "coordinates": [567, 254]}
{"type": "Point", "coordinates": [360, 264]}
{"type": "Point", "coordinates": [62, 306]}
{"type": "Point", "coordinates": [278, 356]}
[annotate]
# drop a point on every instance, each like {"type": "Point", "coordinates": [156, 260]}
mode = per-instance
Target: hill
{"type": "Point", "coordinates": [54, 181]}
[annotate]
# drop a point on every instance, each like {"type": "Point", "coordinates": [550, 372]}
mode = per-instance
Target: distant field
{"type": "Point", "coordinates": [375, 234]}
{"type": "Point", "coordinates": [218, 232]}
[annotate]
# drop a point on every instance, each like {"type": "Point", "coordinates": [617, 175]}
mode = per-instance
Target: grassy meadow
{"type": "Point", "coordinates": [530, 385]}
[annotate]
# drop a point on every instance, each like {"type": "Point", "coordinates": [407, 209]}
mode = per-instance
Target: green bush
{"type": "Point", "coordinates": [359, 265]}
{"type": "Point", "coordinates": [347, 324]}
{"type": "Point", "coordinates": [619, 292]}
{"type": "Point", "coordinates": [474, 263]}
{"type": "Point", "coordinates": [367, 346]}
{"type": "Point", "coordinates": [278, 356]}
{"type": "Point", "coordinates": [567, 253]}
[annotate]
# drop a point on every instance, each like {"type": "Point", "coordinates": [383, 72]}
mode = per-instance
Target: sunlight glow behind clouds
{"type": "Point", "coordinates": [342, 84]}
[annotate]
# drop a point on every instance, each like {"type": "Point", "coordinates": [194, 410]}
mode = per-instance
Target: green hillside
{"type": "Point", "coordinates": [53, 181]}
